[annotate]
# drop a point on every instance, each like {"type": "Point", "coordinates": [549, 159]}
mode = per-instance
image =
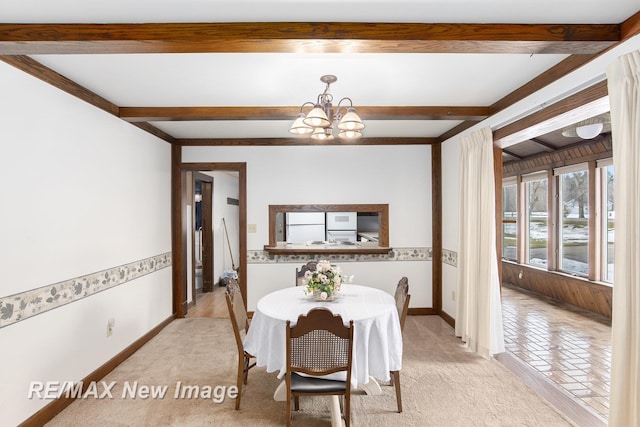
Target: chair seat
{"type": "Point", "coordinates": [302, 384]}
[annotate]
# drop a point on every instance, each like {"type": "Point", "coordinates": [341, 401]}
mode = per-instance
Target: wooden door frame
{"type": "Point", "coordinates": [179, 227]}
{"type": "Point", "coordinates": [208, 263]}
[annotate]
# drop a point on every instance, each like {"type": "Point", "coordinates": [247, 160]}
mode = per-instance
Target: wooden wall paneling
{"type": "Point", "coordinates": [594, 297]}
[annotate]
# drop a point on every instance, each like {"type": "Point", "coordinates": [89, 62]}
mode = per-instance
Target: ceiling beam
{"type": "Point", "coordinates": [587, 103]}
{"type": "Point", "coordinates": [310, 37]}
{"type": "Point", "coordinates": [512, 154]}
{"type": "Point", "coordinates": [544, 144]}
{"type": "Point", "coordinates": [153, 114]}
{"type": "Point", "coordinates": [237, 142]}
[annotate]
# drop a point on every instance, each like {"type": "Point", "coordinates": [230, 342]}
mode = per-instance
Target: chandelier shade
{"type": "Point", "coordinates": [299, 127]}
{"type": "Point", "coordinates": [319, 122]}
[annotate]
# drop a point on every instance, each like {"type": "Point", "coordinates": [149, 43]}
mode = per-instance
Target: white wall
{"type": "Point", "coordinates": [81, 191]}
{"type": "Point", "coordinates": [225, 184]}
{"type": "Point", "coordinates": [399, 176]}
{"type": "Point", "coordinates": [450, 217]}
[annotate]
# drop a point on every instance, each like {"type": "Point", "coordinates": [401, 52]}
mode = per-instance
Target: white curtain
{"type": "Point", "coordinates": [479, 307]}
{"type": "Point", "coordinates": [624, 94]}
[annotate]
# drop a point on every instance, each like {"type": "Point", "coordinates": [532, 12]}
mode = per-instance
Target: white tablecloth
{"type": "Point", "coordinates": [377, 335]}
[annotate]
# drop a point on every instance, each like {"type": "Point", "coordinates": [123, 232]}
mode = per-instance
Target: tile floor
{"type": "Point", "coordinates": [569, 346]}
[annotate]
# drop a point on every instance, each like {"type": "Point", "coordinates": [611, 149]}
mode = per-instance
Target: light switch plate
{"type": "Point", "coordinates": [251, 228]}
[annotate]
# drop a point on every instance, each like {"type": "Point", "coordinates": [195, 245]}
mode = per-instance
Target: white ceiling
{"type": "Point", "coordinates": [289, 79]}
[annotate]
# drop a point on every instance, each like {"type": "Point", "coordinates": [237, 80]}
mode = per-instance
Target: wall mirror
{"type": "Point", "coordinates": [349, 228]}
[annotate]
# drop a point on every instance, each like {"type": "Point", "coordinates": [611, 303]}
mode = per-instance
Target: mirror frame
{"type": "Point", "coordinates": [381, 209]}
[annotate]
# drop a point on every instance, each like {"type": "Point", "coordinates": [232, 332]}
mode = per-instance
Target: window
{"type": "Point", "coordinates": [567, 232]}
{"type": "Point", "coordinates": [573, 224]}
{"type": "Point", "coordinates": [537, 219]}
{"type": "Point", "coordinates": [606, 173]}
{"type": "Point", "coordinates": [509, 219]}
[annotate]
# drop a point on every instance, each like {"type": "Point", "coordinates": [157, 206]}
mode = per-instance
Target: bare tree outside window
{"type": "Point", "coordinates": [538, 222]}
{"type": "Point", "coordinates": [574, 226]}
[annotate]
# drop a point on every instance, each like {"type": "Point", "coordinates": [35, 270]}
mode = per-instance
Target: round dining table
{"type": "Point", "coordinates": [377, 346]}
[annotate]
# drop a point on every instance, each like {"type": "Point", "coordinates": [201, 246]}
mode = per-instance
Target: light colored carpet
{"type": "Point", "coordinates": [442, 384]}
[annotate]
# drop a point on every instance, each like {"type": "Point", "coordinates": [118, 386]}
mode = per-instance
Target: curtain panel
{"type": "Point", "coordinates": [624, 95]}
{"type": "Point", "coordinates": [478, 306]}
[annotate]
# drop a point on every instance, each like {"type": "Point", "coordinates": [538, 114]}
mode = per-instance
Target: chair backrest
{"type": "Point", "coordinates": [237, 311]}
{"type": "Point", "coordinates": [319, 344]}
{"type": "Point", "coordinates": [309, 266]}
{"type": "Point", "coordinates": [402, 298]}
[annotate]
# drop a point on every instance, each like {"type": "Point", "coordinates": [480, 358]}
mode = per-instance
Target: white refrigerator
{"type": "Point", "coordinates": [304, 227]}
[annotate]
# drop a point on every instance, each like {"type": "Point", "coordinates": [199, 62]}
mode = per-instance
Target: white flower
{"type": "Point", "coordinates": [323, 295]}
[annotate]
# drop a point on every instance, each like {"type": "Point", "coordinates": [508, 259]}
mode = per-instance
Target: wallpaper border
{"type": "Point", "coordinates": [396, 254]}
{"type": "Point", "coordinates": [21, 306]}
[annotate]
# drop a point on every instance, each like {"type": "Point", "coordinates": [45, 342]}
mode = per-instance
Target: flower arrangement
{"type": "Point", "coordinates": [324, 282]}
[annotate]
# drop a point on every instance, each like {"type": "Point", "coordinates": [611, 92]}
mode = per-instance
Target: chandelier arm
{"type": "Point", "coordinates": [306, 103]}
{"type": "Point", "coordinates": [338, 114]}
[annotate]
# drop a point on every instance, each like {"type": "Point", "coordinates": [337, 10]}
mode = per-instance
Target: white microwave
{"type": "Point", "coordinates": [342, 221]}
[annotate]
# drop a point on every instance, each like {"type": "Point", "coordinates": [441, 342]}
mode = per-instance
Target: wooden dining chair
{"type": "Point", "coordinates": [240, 323]}
{"type": "Point", "coordinates": [309, 266]}
{"type": "Point", "coordinates": [402, 298]}
{"type": "Point", "coordinates": [319, 344]}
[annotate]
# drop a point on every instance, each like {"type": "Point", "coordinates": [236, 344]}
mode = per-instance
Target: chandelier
{"type": "Point", "coordinates": [319, 122]}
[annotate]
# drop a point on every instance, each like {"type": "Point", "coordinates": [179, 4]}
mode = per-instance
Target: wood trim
{"type": "Point", "coordinates": [153, 114]}
{"type": "Point", "coordinates": [57, 80]}
{"type": "Point", "coordinates": [47, 75]}
{"type": "Point", "coordinates": [553, 217]}
{"type": "Point", "coordinates": [599, 148]}
{"type": "Point", "coordinates": [591, 222]}
{"type": "Point", "coordinates": [630, 27]}
{"type": "Point", "coordinates": [241, 168]}
{"type": "Point", "coordinates": [311, 37]}
{"type": "Point", "coordinates": [587, 103]}
{"type": "Point", "coordinates": [579, 292]}
{"type": "Point", "coordinates": [238, 142]}
{"type": "Point", "coordinates": [178, 233]}
{"type": "Point", "coordinates": [381, 209]}
{"type": "Point", "coordinates": [422, 311]}
{"type": "Point", "coordinates": [436, 226]}
{"type": "Point", "coordinates": [47, 413]}
{"type": "Point", "coordinates": [497, 170]}
{"type": "Point", "coordinates": [554, 73]}
{"type": "Point", "coordinates": [550, 392]}
{"type": "Point", "coordinates": [447, 318]}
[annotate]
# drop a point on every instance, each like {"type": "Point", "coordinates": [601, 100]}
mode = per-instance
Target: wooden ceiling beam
{"type": "Point", "coordinates": [238, 142]}
{"type": "Point", "coordinates": [544, 144]}
{"type": "Point", "coordinates": [587, 103]}
{"type": "Point", "coordinates": [152, 114]}
{"type": "Point", "coordinates": [309, 37]}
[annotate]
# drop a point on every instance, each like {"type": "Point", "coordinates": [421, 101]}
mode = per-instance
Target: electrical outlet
{"type": "Point", "coordinates": [453, 295]}
{"type": "Point", "coordinates": [251, 228]}
{"type": "Point", "coordinates": [110, 324]}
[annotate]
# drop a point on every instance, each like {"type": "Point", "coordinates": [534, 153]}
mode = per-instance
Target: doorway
{"type": "Point", "coordinates": [202, 236]}
{"type": "Point", "coordinates": [237, 233]}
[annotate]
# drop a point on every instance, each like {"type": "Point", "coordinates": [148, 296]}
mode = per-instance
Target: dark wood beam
{"type": "Point", "coordinates": [456, 130]}
{"type": "Point", "coordinates": [151, 114]}
{"type": "Point", "coordinates": [630, 27]}
{"type": "Point", "coordinates": [239, 142]}
{"type": "Point", "coordinates": [312, 37]}
{"type": "Point", "coordinates": [584, 104]}
{"type": "Point", "coordinates": [512, 154]}
{"type": "Point", "coordinates": [544, 144]}
{"type": "Point", "coordinates": [46, 74]}
{"type": "Point", "coordinates": [554, 73]}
